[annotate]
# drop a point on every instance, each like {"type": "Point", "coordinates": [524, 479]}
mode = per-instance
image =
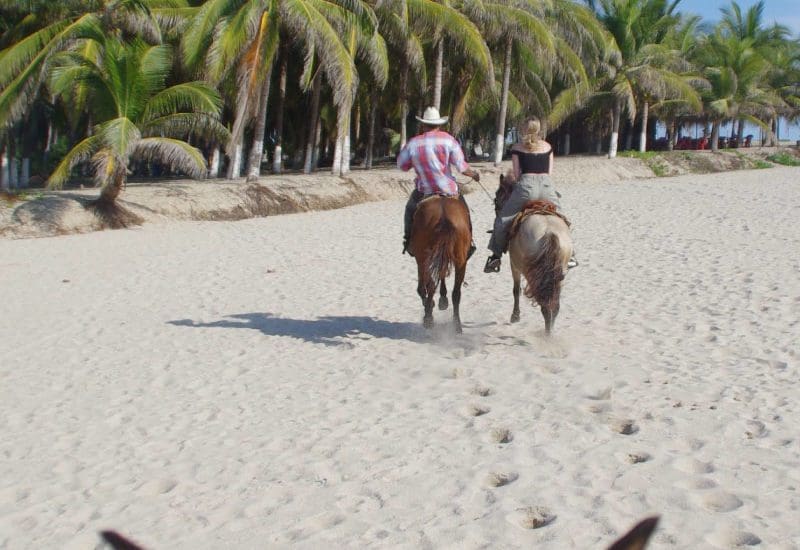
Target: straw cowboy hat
{"type": "Point", "coordinates": [432, 117]}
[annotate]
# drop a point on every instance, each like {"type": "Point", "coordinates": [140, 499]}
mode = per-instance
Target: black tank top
{"type": "Point", "coordinates": [533, 163]}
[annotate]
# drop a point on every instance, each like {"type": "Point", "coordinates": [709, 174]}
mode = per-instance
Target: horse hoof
{"type": "Point", "coordinates": [515, 317]}
{"type": "Point", "coordinates": [459, 329]}
{"type": "Point", "coordinates": [427, 323]}
{"type": "Point", "coordinates": [444, 303]}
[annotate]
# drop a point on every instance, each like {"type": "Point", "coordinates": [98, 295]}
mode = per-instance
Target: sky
{"type": "Point", "coordinates": [785, 12]}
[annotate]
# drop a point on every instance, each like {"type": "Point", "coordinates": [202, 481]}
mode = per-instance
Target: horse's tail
{"type": "Point", "coordinates": [544, 272]}
{"type": "Point", "coordinates": [441, 258]}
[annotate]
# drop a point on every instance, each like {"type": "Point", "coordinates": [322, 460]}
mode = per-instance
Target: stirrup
{"type": "Point", "coordinates": [492, 265]}
{"type": "Point", "coordinates": [572, 263]}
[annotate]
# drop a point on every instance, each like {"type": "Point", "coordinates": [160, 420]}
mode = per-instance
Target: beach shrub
{"type": "Point", "coordinates": [784, 158]}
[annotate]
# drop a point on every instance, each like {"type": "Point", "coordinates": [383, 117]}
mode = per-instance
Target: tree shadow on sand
{"type": "Point", "coordinates": [329, 330]}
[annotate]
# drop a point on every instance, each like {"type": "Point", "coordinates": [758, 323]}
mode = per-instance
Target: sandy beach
{"type": "Point", "coordinates": [267, 383]}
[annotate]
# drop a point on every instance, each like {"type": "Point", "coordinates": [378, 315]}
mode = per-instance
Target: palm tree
{"type": "Point", "coordinates": [647, 69]}
{"type": "Point", "coordinates": [736, 70]}
{"type": "Point", "coordinates": [51, 27]}
{"type": "Point", "coordinates": [137, 116]}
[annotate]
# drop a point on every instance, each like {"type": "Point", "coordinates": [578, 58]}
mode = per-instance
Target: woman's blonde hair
{"type": "Point", "coordinates": [531, 136]}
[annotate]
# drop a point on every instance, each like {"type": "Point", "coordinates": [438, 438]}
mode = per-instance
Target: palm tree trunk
{"type": "Point", "coordinates": [257, 149]}
{"type": "Point", "coordinates": [437, 81]}
{"type": "Point", "coordinates": [403, 103]}
{"type": "Point", "coordinates": [715, 136]}
{"type": "Point", "coordinates": [615, 115]}
{"type": "Point", "coordinates": [672, 128]}
{"type": "Point", "coordinates": [771, 139]}
{"type": "Point", "coordinates": [3, 167]}
{"type": "Point", "coordinates": [277, 158]}
{"type": "Point", "coordinates": [501, 116]}
{"type": "Point", "coordinates": [341, 151]}
{"type": "Point", "coordinates": [373, 113]}
{"type": "Point", "coordinates": [643, 135]}
{"type": "Point", "coordinates": [26, 172]}
{"type": "Point", "coordinates": [308, 165]}
{"type": "Point", "coordinates": [235, 166]}
{"type": "Point", "coordinates": [317, 149]}
{"type": "Point", "coordinates": [213, 162]}
{"type": "Point", "coordinates": [629, 136]}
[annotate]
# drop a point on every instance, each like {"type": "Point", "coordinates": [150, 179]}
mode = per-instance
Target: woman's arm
{"type": "Point", "coordinates": [550, 171]}
{"type": "Point", "coordinates": [515, 163]}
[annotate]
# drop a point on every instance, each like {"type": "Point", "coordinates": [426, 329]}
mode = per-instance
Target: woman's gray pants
{"type": "Point", "coordinates": [530, 187]}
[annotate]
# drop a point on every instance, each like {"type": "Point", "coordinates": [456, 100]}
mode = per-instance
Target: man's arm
{"type": "Point", "coordinates": [457, 159]}
{"type": "Point", "coordinates": [404, 159]}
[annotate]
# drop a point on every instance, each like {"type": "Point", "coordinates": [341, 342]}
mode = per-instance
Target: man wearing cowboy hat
{"type": "Point", "coordinates": [431, 154]}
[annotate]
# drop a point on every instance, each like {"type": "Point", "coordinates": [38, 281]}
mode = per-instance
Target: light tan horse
{"type": "Point", "coordinates": [440, 239]}
{"type": "Point", "coordinates": [539, 248]}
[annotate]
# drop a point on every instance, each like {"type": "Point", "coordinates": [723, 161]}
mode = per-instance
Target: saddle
{"type": "Point", "coordinates": [540, 207]}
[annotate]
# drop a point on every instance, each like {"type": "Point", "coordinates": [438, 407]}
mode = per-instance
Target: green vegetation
{"type": "Point", "coordinates": [108, 88]}
{"type": "Point", "coordinates": [785, 159]}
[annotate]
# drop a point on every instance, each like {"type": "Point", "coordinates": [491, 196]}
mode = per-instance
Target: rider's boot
{"type": "Point", "coordinates": [492, 264]}
{"type": "Point", "coordinates": [405, 246]}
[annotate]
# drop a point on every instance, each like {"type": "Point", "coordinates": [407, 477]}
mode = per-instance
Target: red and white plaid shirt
{"type": "Point", "coordinates": [431, 154]}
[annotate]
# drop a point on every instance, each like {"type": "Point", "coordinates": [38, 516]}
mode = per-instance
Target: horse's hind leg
{"type": "Point", "coordinates": [516, 291]}
{"type": "Point", "coordinates": [427, 302]}
{"type": "Point", "coordinates": [426, 290]}
{"type": "Point", "coordinates": [549, 313]}
{"type": "Point", "coordinates": [443, 302]}
{"type": "Point", "coordinates": [460, 272]}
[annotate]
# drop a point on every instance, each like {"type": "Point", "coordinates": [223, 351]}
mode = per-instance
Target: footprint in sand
{"type": "Point", "coordinates": [624, 426]}
{"type": "Point", "coordinates": [719, 501]}
{"type": "Point", "coordinates": [483, 391]}
{"type": "Point", "coordinates": [693, 466]}
{"type": "Point", "coordinates": [532, 517]}
{"type": "Point", "coordinates": [156, 487]}
{"type": "Point", "coordinates": [729, 537]}
{"type": "Point", "coordinates": [477, 410]}
{"type": "Point", "coordinates": [499, 479]}
{"type": "Point", "coordinates": [636, 457]}
{"type": "Point", "coordinates": [698, 484]}
{"type": "Point", "coordinates": [501, 435]}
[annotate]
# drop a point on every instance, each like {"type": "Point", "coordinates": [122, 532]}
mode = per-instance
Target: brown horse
{"type": "Point", "coordinates": [540, 245]}
{"type": "Point", "coordinates": [440, 239]}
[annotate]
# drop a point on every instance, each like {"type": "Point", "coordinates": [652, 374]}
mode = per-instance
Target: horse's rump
{"type": "Point", "coordinates": [440, 234]}
{"type": "Point", "coordinates": [544, 272]}
{"type": "Point", "coordinates": [539, 206]}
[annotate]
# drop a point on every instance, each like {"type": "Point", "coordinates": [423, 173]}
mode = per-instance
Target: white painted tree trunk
{"type": "Point", "coordinates": [643, 135]}
{"type": "Point", "coordinates": [437, 81]}
{"type": "Point", "coordinates": [341, 152]}
{"type": "Point", "coordinates": [4, 172]}
{"type": "Point", "coordinates": [26, 172]}
{"type": "Point", "coordinates": [403, 124]}
{"type": "Point", "coordinates": [257, 149]}
{"type": "Point", "coordinates": [501, 116]}
{"type": "Point", "coordinates": [612, 147]}
{"type": "Point", "coordinates": [315, 150]}
{"type": "Point", "coordinates": [235, 167]}
{"type": "Point", "coordinates": [213, 169]}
